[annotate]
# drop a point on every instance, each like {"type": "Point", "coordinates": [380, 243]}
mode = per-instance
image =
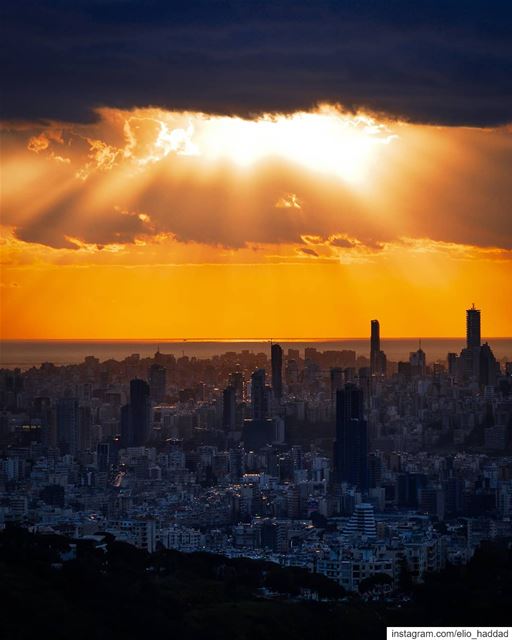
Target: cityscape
{"type": "Point", "coordinates": [345, 464]}
{"type": "Point", "coordinates": [255, 319]}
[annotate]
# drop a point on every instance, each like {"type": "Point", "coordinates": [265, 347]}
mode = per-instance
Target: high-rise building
{"type": "Point", "coordinates": [103, 456]}
{"type": "Point", "coordinates": [229, 409]}
{"type": "Point", "coordinates": [351, 445]}
{"type": "Point", "coordinates": [378, 361]}
{"type": "Point", "coordinates": [157, 382]}
{"type": "Point", "coordinates": [404, 370]}
{"type": "Point", "coordinates": [136, 416]}
{"type": "Point", "coordinates": [277, 371]}
{"type": "Point", "coordinates": [336, 381]}
{"type": "Point", "coordinates": [470, 357]}
{"type": "Point", "coordinates": [68, 425]}
{"type": "Point", "coordinates": [488, 368]}
{"type": "Point", "coordinates": [374, 341]}
{"type": "Point", "coordinates": [259, 395]}
{"type": "Point", "coordinates": [84, 428]}
{"type": "Point", "coordinates": [452, 364]}
{"type": "Point", "coordinates": [292, 372]}
{"type": "Point", "coordinates": [472, 327]}
{"type": "Point", "coordinates": [408, 487]}
{"type": "Point", "coordinates": [294, 354]}
{"type": "Point", "coordinates": [311, 354]}
{"type": "Point", "coordinates": [418, 361]}
{"type": "Point", "coordinates": [236, 380]}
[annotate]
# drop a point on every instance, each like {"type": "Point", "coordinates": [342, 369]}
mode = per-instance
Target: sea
{"type": "Point", "coordinates": [24, 354]}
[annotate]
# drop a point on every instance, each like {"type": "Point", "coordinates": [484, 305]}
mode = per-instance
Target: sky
{"type": "Point", "coordinates": [254, 170]}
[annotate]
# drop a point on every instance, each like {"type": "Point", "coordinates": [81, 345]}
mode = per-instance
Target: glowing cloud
{"type": "Point", "coordinates": [327, 140]}
{"type": "Point", "coordinates": [289, 201]}
{"type": "Point", "coordinates": [312, 202]}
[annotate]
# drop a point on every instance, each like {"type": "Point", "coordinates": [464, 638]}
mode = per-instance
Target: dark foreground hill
{"type": "Point", "coordinates": [120, 592]}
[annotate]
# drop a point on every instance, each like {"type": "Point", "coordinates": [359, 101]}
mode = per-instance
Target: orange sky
{"type": "Point", "coordinates": [152, 224]}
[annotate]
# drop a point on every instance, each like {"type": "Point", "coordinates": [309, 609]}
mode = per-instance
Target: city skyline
{"type": "Point", "coordinates": [463, 333]}
{"type": "Point", "coordinates": [255, 319]}
{"type": "Point", "coordinates": [377, 356]}
{"type": "Point", "coordinates": [241, 452]}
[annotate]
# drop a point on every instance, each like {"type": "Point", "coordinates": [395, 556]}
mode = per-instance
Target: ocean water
{"type": "Point", "coordinates": [28, 353]}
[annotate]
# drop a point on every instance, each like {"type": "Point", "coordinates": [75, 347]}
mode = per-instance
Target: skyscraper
{"type": "Point", "coordinates": [277, 371]}
{"type": "Point", "coordinates": [103, 456]}
{"type": "Point", "coordinates": [470, 356]}
{"type": "Point", "coordinates": [68, 421]}
{"type": "Point", "coordinates": [452, 364]}
{"type": "Point", "coordinates": [488, 369]}
{"type": "Point", "coordinates": [157, 382]}
{"type": "Point", "coordinates": [374, 341]}
{"type": "Point", "coordinates": [378, 361]}
{"type": "Point", "coordinates": [472, 327]}
{"type": "Point", "coordinates": [236, 380]}
{"type": "Point", "coordinates": [351, 445]}
{"type": "Point", "coordinates": [292, 372]}
{"type": "Point", "coordinates": [336, 381]}
{"type": "Point", "coordinates": [85, 422]}
{"type": "Point", "coordinates": [229, 409]}
{"type": "Point", "coordinates": [136, 416]}
{"type": "Point", "coordinates": [258, 395]}
{"type": "Point", "coordinates": [418, 361]}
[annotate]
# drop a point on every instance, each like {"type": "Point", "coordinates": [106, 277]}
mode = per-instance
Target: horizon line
{"type": "Point", "coordinates": [238, 340]}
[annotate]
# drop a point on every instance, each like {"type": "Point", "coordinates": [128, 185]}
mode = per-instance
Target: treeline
{"type": "Point", "coordinates": [123, 592]}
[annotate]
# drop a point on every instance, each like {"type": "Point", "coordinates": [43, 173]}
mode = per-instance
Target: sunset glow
{"type": "Point", "coordinates": [309, 208]}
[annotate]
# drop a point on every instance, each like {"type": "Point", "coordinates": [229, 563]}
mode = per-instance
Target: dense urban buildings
{"type": "Point", "coordinates": [346, 464]}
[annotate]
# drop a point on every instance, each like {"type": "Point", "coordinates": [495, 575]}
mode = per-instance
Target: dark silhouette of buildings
{"type": "Point", "coordinates": [229, 409]}
{"type": "Point", "coordinates": [408, 487]}
{"type": "Point", "coordinates": [488, 368]}
{"type": "Point", "coordinates": [236, 380]}
{"type": "Point", "coordinates": [351, 445]}
{"type": "Point", "coordinates": [374, 341]}
{"type": "Point", "coordinates": [53, 495]}
{"type": "Point", "coordinates": [336, 381]}
{"type": "Point", "coordinates": [157, 382]}
{"type": "Point", "coordinates": [85, 422]}
{"type": "Point", "coordinates": [136, 416]}
{"type": "Point", "coordinates": [103, 456]}
{"type": "Point", "coordinates": [259, 396]}
{"type": "Point", "coordinates": [477, 361]}
{"type": "Point", "coordinates": [68, 424]}
{"type": "Point", "coordinates": [418, 362]}
{"type": "Point", "coordinates": [378, 362]}
{"type": "Point", "coordinates": [472, 327]}
{"type": "Point", "coordinates": [452, 364]}
{"type": "Point", "coordinates": [277, 371]}
{"type": "Point", "coordinates": [261, 432]}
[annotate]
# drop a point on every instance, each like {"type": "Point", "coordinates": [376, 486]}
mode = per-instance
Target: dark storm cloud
{"type": "Point", "coordinates": [440, 61]}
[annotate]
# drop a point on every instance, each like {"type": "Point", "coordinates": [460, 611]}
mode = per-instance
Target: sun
{"type": "Point", "coordinates": [327, 140]}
